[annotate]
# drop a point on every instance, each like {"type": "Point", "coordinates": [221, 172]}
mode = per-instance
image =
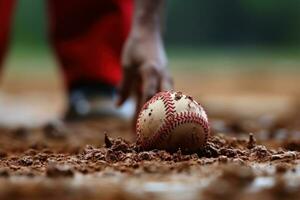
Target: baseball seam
{"type": "Point", "coordinates": [179, 119]}
{"type": "Point", "coordinates": [171, 121]}
{"type": "Point", "coordinates": [146, 105]}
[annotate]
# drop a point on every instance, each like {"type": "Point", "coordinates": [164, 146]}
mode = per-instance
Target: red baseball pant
{"type": "Point", "coordinates": [87, 36]}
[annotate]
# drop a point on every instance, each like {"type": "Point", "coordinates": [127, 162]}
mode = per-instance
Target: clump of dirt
{"type": "Point", "coordinates": [292, 145]}
{"type": "Point", "coordinates": [178, 96]}
{"type": "Point", "coordinates": [55, 130]}
{"type": "Point", "coordinates": [124, 156]}
{"type": "Point", "coordinates": [56, 153]}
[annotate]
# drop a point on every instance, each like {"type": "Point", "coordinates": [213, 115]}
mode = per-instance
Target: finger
{"type": "Point", "coordinates": [145, 87]}
{"type": "Point", "coordinates": [126, 86]}
{"type": "Point", "coordinates": [138, 95]}
{"type": "Point", "coordinates": [166, 83]}
{"type": "Point", "coordinates": [150, 82]}
{"type": "Point", "coordinates": [138, 108]}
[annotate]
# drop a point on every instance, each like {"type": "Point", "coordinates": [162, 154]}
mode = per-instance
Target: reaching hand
{"type": "Point", "coordinates": [144, 65]}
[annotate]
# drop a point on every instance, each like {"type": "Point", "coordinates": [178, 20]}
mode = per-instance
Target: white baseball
{"type": "Point", "coordinates": [171, 120]}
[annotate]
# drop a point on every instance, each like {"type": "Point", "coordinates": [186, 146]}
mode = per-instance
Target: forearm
{"type": "Point", "coordinates": [148, 15]}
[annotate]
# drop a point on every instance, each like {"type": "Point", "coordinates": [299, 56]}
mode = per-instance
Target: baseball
{"type": "Point", "coordinates": [171, 120]}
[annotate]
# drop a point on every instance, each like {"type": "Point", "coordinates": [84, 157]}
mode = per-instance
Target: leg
{"type": "Point", "coordinates": [6, 8]}
{"type": "Point", "coordinates": [88, 37]}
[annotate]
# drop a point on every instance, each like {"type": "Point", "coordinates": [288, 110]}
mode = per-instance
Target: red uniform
{"type": "Point", "coordinates": [87, 36]}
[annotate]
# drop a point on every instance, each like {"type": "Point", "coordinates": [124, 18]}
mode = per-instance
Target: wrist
{"type": "Point", "coordinates": [147, 21]}
{"type": "Point", "coordinates": [148, 15]}
{"type": "Point", "coordinates": [144, 31]}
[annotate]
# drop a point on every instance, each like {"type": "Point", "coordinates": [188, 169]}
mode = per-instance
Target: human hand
{"type": "Point", "coordinates": [144, 68]}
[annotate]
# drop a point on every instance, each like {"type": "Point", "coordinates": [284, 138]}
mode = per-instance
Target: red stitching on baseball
{"type": "Point", "coordinates": [172, 120]}
{"type": "Point", "coordinates": [180, 118]}
{"type": "Point", "coordinates": [146, 105]}
{"type": "Point", "coordinates": [168, 103]}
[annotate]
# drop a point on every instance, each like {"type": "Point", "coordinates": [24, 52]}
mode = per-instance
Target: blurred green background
{"type": "Point", "coordinates": [196, 23]}
{"type": "Point", "coordinates": [215, 47]}
{"type": "Point", "coordinates": [199, 34]}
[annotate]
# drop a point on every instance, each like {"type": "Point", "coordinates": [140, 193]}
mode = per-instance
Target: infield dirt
{"type": "Point", "coordinates": [253, 152]}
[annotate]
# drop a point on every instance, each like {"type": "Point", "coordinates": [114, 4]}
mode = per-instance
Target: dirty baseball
{"type": "Point", "coordinates": [171, 121]}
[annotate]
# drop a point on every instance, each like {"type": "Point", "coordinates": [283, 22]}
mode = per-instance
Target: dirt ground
{"type": "Point", "coordinates": [253, 152]}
